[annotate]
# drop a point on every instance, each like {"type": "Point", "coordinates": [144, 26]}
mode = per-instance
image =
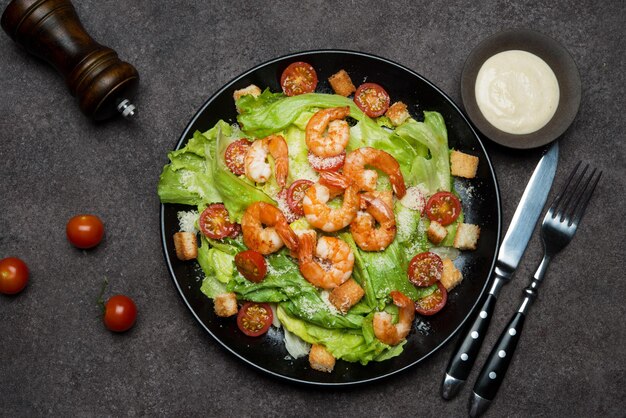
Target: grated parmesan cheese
{"type": "Point", "coordinates": [187, 220]}
{"type": "Point", "coordinates": [415, 198]}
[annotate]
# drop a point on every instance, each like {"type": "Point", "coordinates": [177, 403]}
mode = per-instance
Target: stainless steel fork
{"type": "Point", "coordinates": [557, 230]}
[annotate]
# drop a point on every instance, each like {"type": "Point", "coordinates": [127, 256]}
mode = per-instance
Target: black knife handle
{"type": "Point", "coordinates": [494, 370]}
{"type": "Point", "coordinates": [466, 352]}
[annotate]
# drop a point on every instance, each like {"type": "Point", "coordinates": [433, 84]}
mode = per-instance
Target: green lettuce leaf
{"type": "Point", "coordinates": [347, 344]}
{"type": "Point", "coordinates": [187, 179]}
{"type": "Point", "coordinates": [433, 172]}
{"type": "Point", "coordinates": [237, 193]}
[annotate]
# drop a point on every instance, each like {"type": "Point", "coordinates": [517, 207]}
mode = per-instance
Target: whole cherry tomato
{"type": "Point", "coordinates": [13, 275]}
{"type": "Point", "coordinates": [120, 313]}
{"type": "Point", "coordinates": [84, 231]}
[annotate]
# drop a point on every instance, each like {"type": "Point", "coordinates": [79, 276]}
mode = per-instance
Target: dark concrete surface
{"type": "Point", "coordinates": [56, 357]}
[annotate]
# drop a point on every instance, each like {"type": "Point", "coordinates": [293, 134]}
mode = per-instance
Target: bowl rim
{"type": "Point", "coordinates": [185, 136]}
{"type": "Point", "coordinates": [549, 50]}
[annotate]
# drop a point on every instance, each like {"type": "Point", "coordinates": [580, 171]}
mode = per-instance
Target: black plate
{"type": "Point", "coordinates": [561, 63]}
{"type": "Point", "coordinates": [268, 353]}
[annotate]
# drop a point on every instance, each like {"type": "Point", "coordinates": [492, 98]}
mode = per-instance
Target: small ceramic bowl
{"type": "Point", "coordinates": [561, 63]}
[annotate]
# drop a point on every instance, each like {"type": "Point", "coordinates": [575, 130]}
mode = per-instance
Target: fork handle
{"type": "Point", "coordinates": [494, 370]}
{"type": "Point", "coordinates": [464, 356]}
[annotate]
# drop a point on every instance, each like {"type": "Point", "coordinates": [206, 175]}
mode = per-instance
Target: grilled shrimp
{"type": "Point", "coordinates": [363, 228]}
{"type": "Point", "coordinates": [255, 164]}
{"type": "Point", "coordinates": [273, 236]}
{"type": "Point", "coordinates": [316, 209]}
{"type": "Point", "coordinates": [385, 330]}
{"type": "Point", "coordinates": [326, 265]}
{"type": "Point", "coordinates": [335, 141]}
{"type": "Point", "coordinates": [366, 179]}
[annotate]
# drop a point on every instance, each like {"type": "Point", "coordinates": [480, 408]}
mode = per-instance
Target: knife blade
{"type": "Point", "coordinates": [511, 250]}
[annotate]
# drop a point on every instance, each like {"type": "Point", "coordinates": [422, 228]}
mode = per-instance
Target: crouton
{"type": "Point", "coordinates": [451, 276]}
{"type": "Point", "coordinates": [463, 165]}
{"type": "Point", "coordinates": [466, 237]}
{"type": "Point", "coordinates": [346, 296]}
{"type": "Point", "coordinates": [341, 83]}
{"type": "Point", "coordinates": [225, 304]}
{"type": "Point", "coordinates": [397, 113]}
{"type": "Point", "coordinates": [186, 245]}
{"type": "Point", "coordinates": [320, 359]}
{"type": "Point", "coordinates": [436, 232]}
{"type": "Point", "coordinates": [252, 90]}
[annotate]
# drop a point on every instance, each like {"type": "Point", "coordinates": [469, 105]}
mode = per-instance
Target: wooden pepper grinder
{"type": "Point", "coordinates": [51, 30]}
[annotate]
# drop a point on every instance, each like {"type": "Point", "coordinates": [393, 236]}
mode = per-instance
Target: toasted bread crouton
{"type": "Point", "coordinates": [186, 245]}
{"type": "Point", "coordinates": [252, 90]}
{"type": "Point", "coordinates": [436, 232]}
{"type": "Point", "coordinates": [346, 296]}
{"type": "Point", "coordinates": [463, 165]}
{"type": "Point", "coordinates": [397, 113]}
{"type": "Point", "coordinates": [226, 304]}
{"type": "Point", "coordinates": [466, 237]}
{"type": "Point", "coordinates": [451, 276]}
{"type": "Point", "coordinates": [320, 359]}
{"type": "Point", "coordinates": [341, 83]}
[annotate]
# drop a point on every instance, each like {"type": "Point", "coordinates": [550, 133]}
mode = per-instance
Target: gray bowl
{"type": "Point", "coordinates": [559, 60]}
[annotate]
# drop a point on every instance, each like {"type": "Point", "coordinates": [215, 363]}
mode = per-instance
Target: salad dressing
{"type": "Point", "coordinates": [517, 92]}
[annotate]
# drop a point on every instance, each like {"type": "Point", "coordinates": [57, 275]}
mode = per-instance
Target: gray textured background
{"type": "Point", "coordinates": [56, 357]}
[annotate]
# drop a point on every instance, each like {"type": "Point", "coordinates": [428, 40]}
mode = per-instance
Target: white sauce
{"type": "Point", "coordinates": [517, 92]}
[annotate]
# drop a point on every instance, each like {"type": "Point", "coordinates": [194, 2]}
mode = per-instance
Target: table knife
{"type": "Point", "coordinates": [509, 255]}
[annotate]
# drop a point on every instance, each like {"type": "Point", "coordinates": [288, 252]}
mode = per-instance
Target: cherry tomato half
{"type": "Point", "coordinates": [13, 275]}
{"type": "Point", "coordinates": [443, 207]}
{"type": "Point", "coordinates": [84, 231]}
{"type": "Point", "coordinates": [251, 265]}
{"type": "Point", "coordinates": [120, 313]}
{"type": "Point", "coordinates": [432, 303]}
{"type": "Point", "coordinates": [295, 194]}
{"type": "Point", "coordinates": [254, 319]}
{"type": "Point", "coordinates": [235, 155]}
{"type": "Point", "coordinates": [320, 164]}
{"type": "Point", "coordinates": [372, 99]}
{"type": "Point", "coordinates": [215, 223]}
{"type": "Point", "coordinates": [298, 78]}
{"type": "Point", "coordinates": [425, 269]}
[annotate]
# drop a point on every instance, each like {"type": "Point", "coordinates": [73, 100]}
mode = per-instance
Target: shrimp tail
{"type": "Point", "coordinates": [287, 235]}
{"type": "Point", "coordinates": [335, 180]}
{"type": "Point", "coordinates": [278, 149]}
{"type": "Point", "coordinates": [397, 183]}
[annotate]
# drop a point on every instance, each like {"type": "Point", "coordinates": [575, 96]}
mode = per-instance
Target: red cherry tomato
{"type": "Point", "coordinates": [295, 194]}
{"type": "Point", "coordinates": [432, 303]}
{"type": "Point", "coordinates": [84, 231]}
{"type": "Point", "coordinates": [215, 223]}
{"type": "Point", "coordinates": [235, 155]}
{"type": "Point", "coordinates": [372, 99]}
{"type": "Point", "coordinates": [254, 319]}
{"type": "Point", "coordinates": [13, 275]}
{"type": "Point", "coordinates": [298, 78]}
{"type": "Point", "coordinates": [120, 313]}
{"type": "Point", "coordinates": [320, 164]}
{"type": "Point", "coordinates": [443, 207]}
{"type": "Point", "coordinates": [251, 265]}
{"type": "Point", "coordinates": [425, 269]}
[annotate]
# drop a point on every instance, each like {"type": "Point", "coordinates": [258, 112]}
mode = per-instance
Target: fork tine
{"type": "Point", "coordinates": [584, 199]}
{"type": "Point", "coordinates": [554, 207]}
{"type": "Point", "coordinates": [577, 194]}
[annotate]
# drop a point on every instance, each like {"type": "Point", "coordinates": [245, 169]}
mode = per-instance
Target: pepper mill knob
{"type": "Point", "coordinates": [51, 30]}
